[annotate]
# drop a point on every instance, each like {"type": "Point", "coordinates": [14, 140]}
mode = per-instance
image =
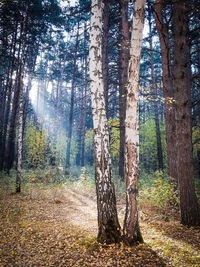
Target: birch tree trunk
{"type": "Point", "coordinates": [20, 135]}
{"type": "Point", "coordinates": [108, 225]}
{"type": "Point", "coordinates": [132, 233]}
{"type": "Point", "coordinates": [105, 51]}
{"type": "Point", "coordinates": [20, 108]}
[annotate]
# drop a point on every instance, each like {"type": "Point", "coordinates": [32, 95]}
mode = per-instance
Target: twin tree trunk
{"type": "Point", "coordinates": [109, 228]}
{"type": "Point", "coordinates": [190, 213]}
{"type": "Point", "coordinates": [132, 233]}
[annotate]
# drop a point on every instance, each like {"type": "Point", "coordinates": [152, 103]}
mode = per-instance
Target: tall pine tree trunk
{"type": "Point", "coordinates": [132, 233]}
{"type": "Point", "coordinates": [154, 92]}
{"type": "Point", "coordinates": [123, 91]}
{"type": "Point", "coordinates": [108, 225]}
{"type": "Point", "coordinates": [190, 213]}
{"type": "Point", "coordinates": [170, 121]}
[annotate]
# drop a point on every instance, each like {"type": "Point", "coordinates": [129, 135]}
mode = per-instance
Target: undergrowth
{"type": "Point", "coordinates": [156, 190]}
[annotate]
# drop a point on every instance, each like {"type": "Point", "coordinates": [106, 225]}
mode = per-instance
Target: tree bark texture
{"type": "Point", "coordinates": [108, 225]}
{"type": "Point", "coordinates": [132, 233]}
{"type": "Point", "coordinates": [168, 91]}
{"type": "Point", "coordinates": [105, 51]}
{"type": "Point", "coordinates": [20, 133]}
{"type": "Point", "coordinates": [154, 93]}
{"type": "Point", "coordinates": [190, 214]}
{"type": "Point", "coordinates": [124, 57]}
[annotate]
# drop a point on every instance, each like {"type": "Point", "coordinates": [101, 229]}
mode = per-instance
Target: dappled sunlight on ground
{"type": "Point", "coordinates": [57, 226]}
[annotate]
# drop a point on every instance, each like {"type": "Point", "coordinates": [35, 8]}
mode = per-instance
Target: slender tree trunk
{"type": "Point", "coordinates": [123, 91]}
{"type": "Point", "coordinates": [170, 120]}
{"type": "Point", "coordinates": [108, 225]}
{"type": "Point", "coordinates": [84, 102]}
{"type": "Point", "coordinates": [190, 213]}
{"type": "Point", "coordinates": [67, 167]}
{"type": "Point", "coordinates": [10, 153]}
{"type": "Point", "coordinates": [154, 91]}
{"type": "Point", "coordinates": [132, 233]}
{"type": "Point", "coordinates": [82, 123]}
{"type": "Point", "coordinates": [20, 134]}
{"type": "Point", "coordinates": [26, 100]}
{"type": "Point", "coordinates": [8, 102]}
{"type": "Point", "coordinates": [84, 116]}
{"type": "Point", "coordinates": [20, 108]}
{"type": "Point", "coordinates": [105, 50]}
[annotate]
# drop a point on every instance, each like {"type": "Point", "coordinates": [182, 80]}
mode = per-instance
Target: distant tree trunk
{"type": "Point", "coordinates": [124, 46]}
{"type": "Point", "coordinates": [84, 116]}
{"type": "Point", "coordinates": [20, 108]}
{"type": "Point", "coordinates": [162, 28]}
{"type": "Point", "coordinates": [132, 233]}
{"type": "Point", "coordinates": [82, 121]}
{"type": "Point", "coordinates": [105, 50]}
{"type": "Point", "coordinates": [154, 92]}
{"type": "Point", "coordinates": [108, 225]}
{"type": "Point", "coordinates": [8, 102]}
{"type": "Point", "coordinates": [26, 100]}
{"type": "Point", "coordinates": [67, 167]}
{"type": "Point", "coordinates": [84, 98]}
{"type": "Point", "coordinates": [10, 153]}
{"type": "Point", "coordinates": [190, 213]}
{"type": "Point", "coordinates": [20, 134]}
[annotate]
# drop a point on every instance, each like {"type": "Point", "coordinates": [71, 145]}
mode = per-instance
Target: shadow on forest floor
{"type": "Point", "coordinates": [57, 226]}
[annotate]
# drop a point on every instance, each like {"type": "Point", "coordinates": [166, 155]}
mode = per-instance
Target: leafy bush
{"type": "Point", "coordinates": [36, 146]}
{"type": "Point", "coordinates": [156, 190]}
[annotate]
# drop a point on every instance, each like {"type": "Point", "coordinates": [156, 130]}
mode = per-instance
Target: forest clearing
{"type": "Point", "coordinates": [57, 226]}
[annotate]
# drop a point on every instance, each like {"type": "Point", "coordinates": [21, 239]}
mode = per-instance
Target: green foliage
{"type": "Point", "coordinates": [90, 243]}
{"type": "Point", "coordinates": [148, 145]}
{"type": "Point", "coordinates": [61, 146]}
{"type": "Point", "coordinates": [36, 145]}
{"type": "Point", "coordinates": [114, 138]}
{"type": "Point", "coordinates": [156, 190]}
{"type": "Point", "coordinates": [89, 147]}
{"type": "Point", "coordinates": [196, 138]}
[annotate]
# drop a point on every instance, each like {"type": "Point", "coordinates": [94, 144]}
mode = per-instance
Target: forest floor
{"type": "Point", "coordinates": [57, 226]}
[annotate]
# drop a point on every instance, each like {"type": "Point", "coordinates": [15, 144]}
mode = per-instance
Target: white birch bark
{"type": "Point", "coordinates": [20, 141]}
{"type": "Point", "coordinates": [106, 203]}
{"type": "Point", "coordinates": [131, 227]}
{"type": "Point", "coordinates": [20, 108]}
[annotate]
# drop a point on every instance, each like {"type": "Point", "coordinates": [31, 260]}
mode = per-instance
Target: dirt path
{"type": "Point", "coordinates": [58, 227]}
